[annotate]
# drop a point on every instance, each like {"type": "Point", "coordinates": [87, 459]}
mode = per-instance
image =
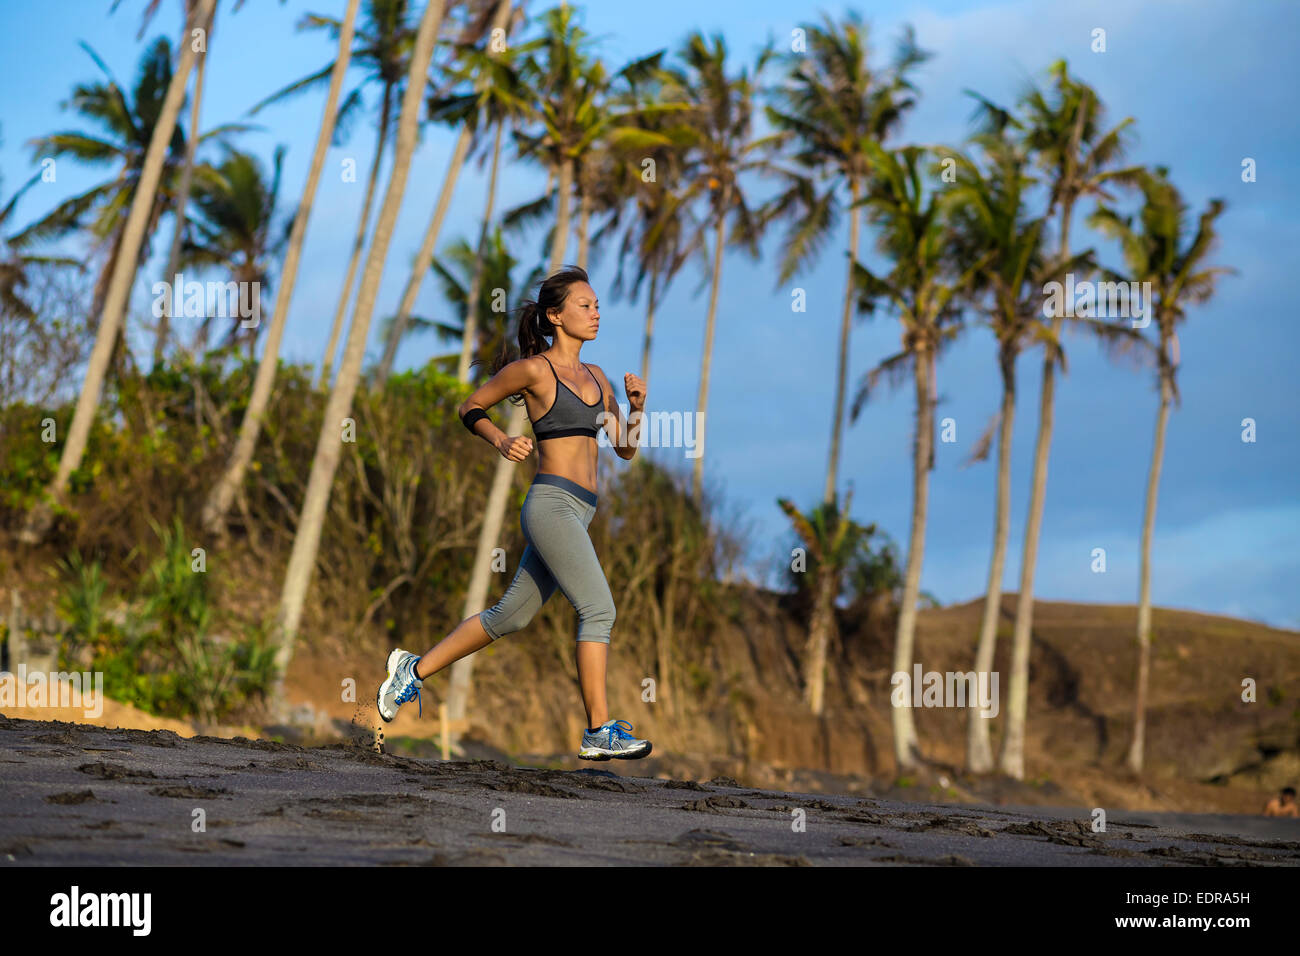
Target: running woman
{"type": "Point", "coordinates": [559, 506]}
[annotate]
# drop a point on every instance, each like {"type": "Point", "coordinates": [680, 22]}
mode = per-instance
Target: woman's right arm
{"type": "Point", "coordinates": [515, 378]}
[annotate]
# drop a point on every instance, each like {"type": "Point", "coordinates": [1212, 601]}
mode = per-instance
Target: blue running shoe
{"type": "Point", "coordinates": [401, 686]}
{"type": "Point", "coordinates": [611, 741]}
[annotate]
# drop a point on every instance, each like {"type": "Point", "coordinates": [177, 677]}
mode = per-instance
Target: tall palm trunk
{"type": "Point", "coordinates": [702, 401]}
{"type": "Point", "coordinates": [223, 492]}
{"type": "Point", "coordinates": [41, 516]}
{"type": "Point", "coordinates": [183, 190]}
{"type": "Point", "coordinates": [423, 257]}
{"type": "Point", "coordinates": [1136, 753]}
{"type": "Point", "coordinates": [105, 277]}
{"type": "Point", "coordinates": [584, 226]}
{"type": "Point", "coordinates": [469, 340]}
{"type": "Point", "coordinates": [462, 672]}
{"type": "Point", "coordinates": [1012, 757]}
{"type": "Point", "coordinates": [906, 750]}
{"type": "Point", "coordinates": [979, 750]}
{"type": "Point", "coordinates": [306, 543]}
{"type": "Point", "coordinates": [117, 373]}
{"type": "Point", "coordinates": [819, 635]}
{"type": "Point", "coordinates": [562, 216]}
{"type": "Point", "coordinates": [358, 242]}
{"type": "Point", "coordinates": [842, 369]}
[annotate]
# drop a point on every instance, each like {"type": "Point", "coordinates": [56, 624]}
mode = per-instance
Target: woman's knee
{"type": "Point", "coordinates": [498, 621]}
{"type": "Point", "coordinates": [529, 590]}
{"type": "Point", "coordinates": [491, 626]}
{"type": "Point", "coordinates": [596, 621]}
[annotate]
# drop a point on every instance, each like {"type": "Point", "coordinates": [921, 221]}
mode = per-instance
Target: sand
{"type": "Point", "coordinates": [132, 797]}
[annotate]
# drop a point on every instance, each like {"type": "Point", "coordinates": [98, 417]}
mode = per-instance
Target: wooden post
{"type": "Point", "coordinates": [17, 632]}
{"type": "Point", "coordinates": [447, 727]}
{"type": "Point", "coordinates": [446, 736]}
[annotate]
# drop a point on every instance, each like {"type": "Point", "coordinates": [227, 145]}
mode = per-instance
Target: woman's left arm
{"type": "Point", "coordinates": [624, 437]}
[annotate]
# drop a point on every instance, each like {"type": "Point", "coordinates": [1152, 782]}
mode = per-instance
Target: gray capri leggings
{"type": "Point", "coordinates": [554, 519]}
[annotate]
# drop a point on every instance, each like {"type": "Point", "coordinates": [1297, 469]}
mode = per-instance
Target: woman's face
{"type": "Point", "coordinates": [580, 316]}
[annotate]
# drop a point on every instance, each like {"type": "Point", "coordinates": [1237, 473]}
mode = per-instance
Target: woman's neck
{"type": "Point", "coordinates": [568, 357]}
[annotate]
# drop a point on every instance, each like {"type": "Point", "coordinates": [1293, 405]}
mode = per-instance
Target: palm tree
{"type": "Point", "coordinates": [924, 289]}
{"type": "Point", "coordinates": [129, 126]}
{"type": "Point", "coordinates": [658, 241]}
{"type": "Point", "coordinates": [25, 333]}
{"type": "Point", "coordinates": [1158, 250]}
{"type": "Point", "coordinates": [109, 103]}
{"type": "Point", "coordinates": [382, 47]}
{"type": "Point", "coordinates": [191, 147]}
{"type": "Point", "coordinates": [1065, 133]}
{"type": "Point", "coordinates": [662, 234]}
{"type": "Point", "coordinates": [484, 273]}
{"type": "Point", "coordinates": [187, 167]}
{"type": "Point", "coordinates": [640, 122]}
{"type": "Point", "coordinates": [721, 151]}
{"type": "Point", "coordinates": [991, 220]}
{"type": "Point", "coordinates": [596, 168]}
{"type": "Point", "coordinates": [597, 122]}
{"type": "Point", "coordinates": [632, 190]}
{"type": "Point", "coordinates": [223, 492]}
{"type": "Point", "coordinates": [470, 334]}
{"type": "Point", "coordinates": [607, 173]}
{"type": "Point", "coordinates": [306, 542]}
{"type": "Point", "coordinates": [235, 230]}
{"type": "Point", "coordinates": [830, 106]}
{"type": "Point", "coordinates": [14, 261]}
{"type": "Point", "coordinates": [494, 99]}
{"type": "Point", "coordinates": [832, 540]}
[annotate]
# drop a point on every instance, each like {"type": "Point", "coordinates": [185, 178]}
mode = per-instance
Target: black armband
{"type": "Point", "coordinates": [471, 418]}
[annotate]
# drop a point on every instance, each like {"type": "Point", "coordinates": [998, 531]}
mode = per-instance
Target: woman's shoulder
{"type": "Point", "coordinates": [533, 365]}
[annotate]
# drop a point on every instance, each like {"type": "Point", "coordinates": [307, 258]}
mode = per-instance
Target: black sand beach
{"type": "Point", "coordinates": [80, 795]}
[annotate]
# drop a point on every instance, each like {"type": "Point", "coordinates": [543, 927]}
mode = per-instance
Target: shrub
{"type": "Point", "coordinates": [161, 655]}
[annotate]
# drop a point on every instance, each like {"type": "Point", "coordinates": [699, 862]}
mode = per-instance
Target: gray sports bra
{"type": "Point", "coordinates": [569, 414]}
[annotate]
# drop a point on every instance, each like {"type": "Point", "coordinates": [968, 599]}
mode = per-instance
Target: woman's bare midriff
{"type": "Point", "coordinates": [573, 456]}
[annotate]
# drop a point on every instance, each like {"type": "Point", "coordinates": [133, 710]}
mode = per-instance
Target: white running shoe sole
{"type": "Point", "coordinates": [393, 660]}
{"type": "Point", "coordinates": [599, 753]}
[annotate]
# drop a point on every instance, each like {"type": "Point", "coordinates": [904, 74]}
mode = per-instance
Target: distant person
{"type": "Point", "coordinates": [1284, 805]}
{"type": "Point", "coordinates": [558, 508]}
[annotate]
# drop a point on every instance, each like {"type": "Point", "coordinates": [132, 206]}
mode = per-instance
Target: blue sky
{"type": "Point", "coordinates": [1209, 83]}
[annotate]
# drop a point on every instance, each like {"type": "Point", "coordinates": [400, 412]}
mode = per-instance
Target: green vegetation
{"type": "Point", "coordinates": [161, 654]}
